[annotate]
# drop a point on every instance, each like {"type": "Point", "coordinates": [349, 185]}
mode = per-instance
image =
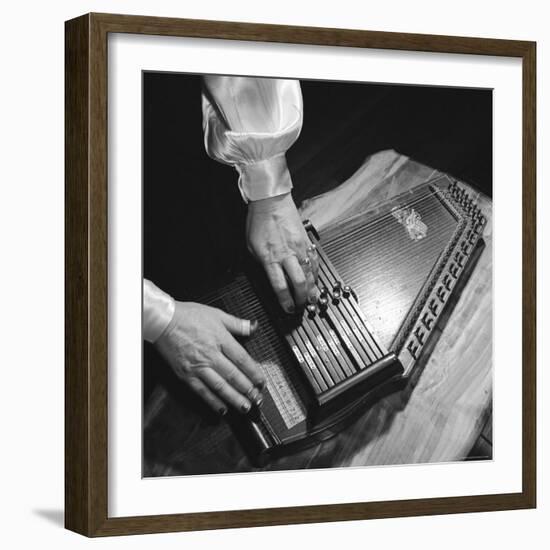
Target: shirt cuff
{"type": "Point", "coordinates": [158, 310]}
{"type": "Point", "coordinates": [264, 179]}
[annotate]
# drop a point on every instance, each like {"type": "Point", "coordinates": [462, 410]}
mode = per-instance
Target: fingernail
{"type": "Point", "coordinates": [289, 307]}
{"type": "Point", "coordinates": [254, 326]}
{"type": "Point", "coordinates": [256, 397]}
{"type": "Point", "coordinates": [245, 407]}
{"type": "Point", "coordinates": [222, 411]}
{"type": "Point", "coordinates": [253, 394]}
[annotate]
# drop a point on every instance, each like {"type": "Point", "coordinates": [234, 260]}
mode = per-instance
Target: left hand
{"type": "Point", "coordinates": [277, 239]}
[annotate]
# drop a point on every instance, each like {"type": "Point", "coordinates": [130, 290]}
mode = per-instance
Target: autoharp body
{"type": "Point", "coordinates": [387, 277]}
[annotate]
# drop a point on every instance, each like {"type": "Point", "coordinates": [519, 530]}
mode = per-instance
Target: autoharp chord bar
{"type": "Point", "coordinates": [324, 352]}
{"type": "Point", "coordinates": [320, 346]}
{"type": "Point", "coordinates": [348, 335]}
{"type": "Point", "coordinates": [351, 305]}
{"type": "Point", "coordinates": [351, 318]}
{"type": "Point", "coordinates": [334, 345]}
{"type": "Point", "coordinates": [332, 341]}
{"type": "Point", "coordinates": [305, 361]}
{"type": "Point", "coordinates": [325, 340]}
{"type": "Point", "coordinates": [311, 352]}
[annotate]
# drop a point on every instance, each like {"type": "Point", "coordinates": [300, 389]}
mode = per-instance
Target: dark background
{"type": "Point", "coordinates": [193, 230]}
{"type": "Point", "coordinates": [193, 211]}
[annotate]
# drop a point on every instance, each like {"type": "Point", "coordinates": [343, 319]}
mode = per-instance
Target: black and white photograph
{"type": "Point", "coordinates": [273, 275]}
{"type": "Point", "coordinates": [317, 274]}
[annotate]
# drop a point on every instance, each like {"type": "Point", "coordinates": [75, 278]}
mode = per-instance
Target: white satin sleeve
{"type": "Point", "coordinates": [250, 123]}
{"type": "Point", "coordinates": [158, 310]}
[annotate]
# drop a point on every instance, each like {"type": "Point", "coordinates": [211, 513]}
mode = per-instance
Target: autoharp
{"type": "Point", "coordinates": [386, 278]}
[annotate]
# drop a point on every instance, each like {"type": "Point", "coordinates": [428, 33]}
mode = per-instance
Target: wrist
{"type": "Point", "coordinates": [158, 311]}
{"type": "Point", "coordinates": [264, 179]}
{"type": "Point", "coordinates": [271, 204]}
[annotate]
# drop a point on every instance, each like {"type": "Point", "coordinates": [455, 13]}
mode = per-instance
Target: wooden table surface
{"type": "Point", "coordinates": [438, 418]}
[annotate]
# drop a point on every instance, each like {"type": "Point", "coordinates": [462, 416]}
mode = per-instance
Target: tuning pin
{"type": "Point", "coordinates": [427, 321]}
{"type": "Point", "coordinates": [453, 270]}
{"type": "Point", "coordinates": [433, 307]}
{"type": "Point", "coordinates": [413, 348]}
{"type": "Point", "coordinates": [466, 248]}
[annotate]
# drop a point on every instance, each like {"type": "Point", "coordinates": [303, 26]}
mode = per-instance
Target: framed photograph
{"type": "Point", "coordinates": [300, 275]}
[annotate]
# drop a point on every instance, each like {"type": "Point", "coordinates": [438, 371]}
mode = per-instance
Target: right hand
{"type": "Point", "coordinates": [277, 239]}
{"type": "Point", "coordinates": [200, 347]}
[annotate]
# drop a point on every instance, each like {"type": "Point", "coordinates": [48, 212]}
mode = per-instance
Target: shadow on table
{"type": "Point", "coordinates": [55, 516]}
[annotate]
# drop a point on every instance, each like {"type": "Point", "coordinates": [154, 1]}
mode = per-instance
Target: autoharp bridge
{"type": "Point", "coordinates": [387, 278]}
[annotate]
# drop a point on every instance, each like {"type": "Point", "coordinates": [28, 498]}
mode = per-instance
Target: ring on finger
{"type": "Point", "coordinates": [254, 395]}
{"type": "Point", "coordinates": [305, 262]}
{"type": "Point", "coordinates": [245, 327]}
{"type": "Point", "coordinates": [311, 250]}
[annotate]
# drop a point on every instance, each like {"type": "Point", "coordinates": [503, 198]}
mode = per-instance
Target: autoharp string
{"type": "Point", "coordinates": [342, 254]}
{"type": "Point", "coordinates": [368, 356]}
{"type": "Point", "coordinates": [353, 318]}
{"type": "Point", "coordinates": [357, 257]}
{"type": "Point", "coordinates": [346, 237]}
{"type": "Point", "coordinates": [367, 227]}
{"type": "Point", "coordinates": [341, 245]}
{"type": "Point", "coordinates": [339, 250]}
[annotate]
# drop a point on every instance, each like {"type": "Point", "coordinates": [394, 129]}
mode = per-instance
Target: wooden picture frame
{"type": "Point", "coordinates": [86, 283]}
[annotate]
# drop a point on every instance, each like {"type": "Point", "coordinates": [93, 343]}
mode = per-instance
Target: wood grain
{"type": "Point", "coordinates": [86, 273]}
{"type": "Point", "coordinates": [77, 464]}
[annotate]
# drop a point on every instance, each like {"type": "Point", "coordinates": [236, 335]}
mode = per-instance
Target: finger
{"type": "Point", "coordinates": [311, 269]}
{"type": "Point", "coordinates": [312, 290]}
{"type": "Point", "coordinates": [277, 279]}
{"type": "Point", "coordinates": [237, 379]}
{"type": "Point", "coordinates": [239, 357]}
{"type": "Point", "coordinates": [313, 255]}
{"type": "Point", "coordinates": [219, 386]}
{"type": "Point", "coordinates": [200, 388]}
{"type": "Point", "coordinates": [297, 278]}
{"type": "Point", "coordinates": [237, 326]}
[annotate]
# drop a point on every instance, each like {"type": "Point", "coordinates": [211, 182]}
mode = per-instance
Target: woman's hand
{"type": "Point", "coordinates": [200, 347]}
{"type": "Point", "coordinates": [277, 239]}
